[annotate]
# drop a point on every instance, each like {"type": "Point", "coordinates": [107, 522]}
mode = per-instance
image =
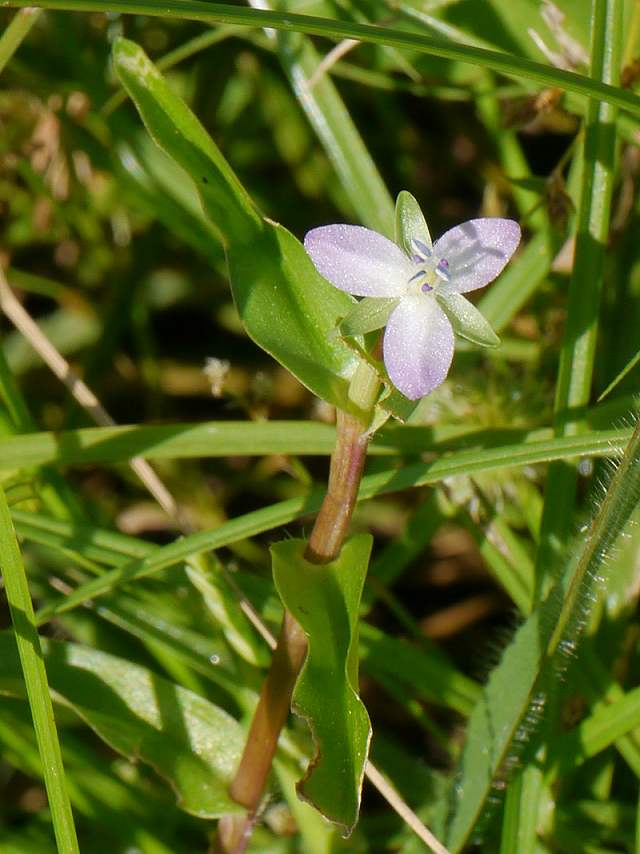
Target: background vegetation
{"type": "Point", "coordinates": [477, 506]}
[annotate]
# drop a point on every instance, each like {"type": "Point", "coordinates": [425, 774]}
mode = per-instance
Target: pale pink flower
{"type": "Point", "coordinates": [427, 284]}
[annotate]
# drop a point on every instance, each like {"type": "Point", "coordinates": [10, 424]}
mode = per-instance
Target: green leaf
{"type": "Point", "coordinates": [369, 314]}
{"type": "Point", "coordinates": [189, 741]}
{"type": "Point", "coordinates": [286, 306]}
{"type": "Point", "coordinates": [410, 222]}
{"type": "Point", "coordinates": [467, 321]}
{"type": "Point", "coordinates": [325, 600]}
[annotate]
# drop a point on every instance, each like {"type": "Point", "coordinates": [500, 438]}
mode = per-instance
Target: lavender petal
{"type": "Point", "coordinates": [477, 251]}
{"type": "Point", "coordinates": [359, 261]}
{"type": "Point", "coordinates": [418, 346]}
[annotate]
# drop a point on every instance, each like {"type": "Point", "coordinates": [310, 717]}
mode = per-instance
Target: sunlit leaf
{"type": "Point", "coordinates": [325, 600]}
{"type": "Point", "coordinates": [192, 743]}
{"type": "Point", "coordinates": [284, 303]}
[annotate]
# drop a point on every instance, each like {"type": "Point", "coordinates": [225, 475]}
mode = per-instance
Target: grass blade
{"type": "Point", "coordinates": [284, 512]}
{"type": "Point", "coordinates": [216, 13]}
{"type": "Point", "coordinates": [35, 677]}
{"type": "Point", "coordinates": [518, 689]}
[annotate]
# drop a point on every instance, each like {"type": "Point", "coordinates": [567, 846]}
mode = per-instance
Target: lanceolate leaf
{"type": "Point", "coordinates": [189, 741]}
{"type": "Point", "coordinates": [286, 306]}
{"type": "Point", "coordinates": [325, 600]}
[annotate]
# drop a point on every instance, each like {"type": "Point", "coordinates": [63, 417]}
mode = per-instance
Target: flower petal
{"type": "Point", "coordinates": [359, 261]}
{"type": "Point", "coordinates": [418, 346]}
{"type": "Point", "coordinates": [477, 251]}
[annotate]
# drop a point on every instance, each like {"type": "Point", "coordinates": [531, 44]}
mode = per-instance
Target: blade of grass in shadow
{"type": "Point", "coordinates": [54, 491]}
{"type": "Point", "coordinates": [16, 32]}
{"type": "Point", "coordinates": [518, 690]}
{"type": "Point", "coordinates": [215, 13]}
{"type": "Point", "coordinates": [35, 678]}
{"type": "Point", "coordinates": [335, 129]}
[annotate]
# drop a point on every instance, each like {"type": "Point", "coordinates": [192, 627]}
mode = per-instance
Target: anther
{"type": "Point", "coordinates": [421, 248]}
{"type": "Point", "coordinates": [442, 269]}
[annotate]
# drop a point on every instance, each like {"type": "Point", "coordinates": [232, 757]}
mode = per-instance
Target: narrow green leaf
{"type": "Point", "coordinates": [326, 600]}
{"type": "Point", "coordinates": [603, 443]}
{"type": "Point", "coordinates": [601, 729]}
{"type": "Point", "coordinates": [623, 373]}
{"type": "Point", "coordinates": [577, 356]}
{"type": "Point", "coordinates": [522, 804]}
{"type": "Point", "coordinates": [228, 438]}
{"type": "Point", "coordinates": [178, 131]}
{"type": "Point", "coordinates": [467, 321]}
{"type": "Point", "coordinates": [286, 306]}
{"type": "Point", "coordinates": [16, 32]}
{"type": "Point", "coordinates": [26, 656]}
{"type": "Point", "coordinates": [189, 741]}
{"type": "Point", "coordinates": [502, 301]}
{"type": "Point", "coordinates": [334, 127]}
{"type": "Point", "coordinates": [217, 13]}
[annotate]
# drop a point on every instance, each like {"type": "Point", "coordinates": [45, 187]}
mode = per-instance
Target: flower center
{"type": "Point", "coordinates": [430, 269]}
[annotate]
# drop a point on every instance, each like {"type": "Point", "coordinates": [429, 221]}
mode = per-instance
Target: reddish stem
{"type": "Point", "coordinates": [328, 534]}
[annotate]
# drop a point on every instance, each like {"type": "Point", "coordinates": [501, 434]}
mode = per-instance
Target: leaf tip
{"type": "Point", "coordinates": [130, 58]}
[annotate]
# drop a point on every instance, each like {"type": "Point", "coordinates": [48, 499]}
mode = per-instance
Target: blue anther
{"type": "Point", "coordinates": [422, 248]}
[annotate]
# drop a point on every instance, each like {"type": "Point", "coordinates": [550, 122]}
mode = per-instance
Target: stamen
{"type": "Point", "coordinates": [442, 270]}
{"type": "Point", "coordinates": [426, 288]}
{"type": "Point", "coordinates": [418, 275]}
{"type": "Point", "coordinates": [421, 248]}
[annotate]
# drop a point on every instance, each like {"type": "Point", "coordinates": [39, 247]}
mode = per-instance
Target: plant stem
{"type": "Point", "coordinates": [325, 542]}
{"type": "Point", "coordinates": [347, 464]}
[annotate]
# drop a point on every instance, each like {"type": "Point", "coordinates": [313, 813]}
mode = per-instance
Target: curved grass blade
{"type": "Point", "coordinates": [515, 696]}
{"type": "Point", "coordinates": [216, 13]}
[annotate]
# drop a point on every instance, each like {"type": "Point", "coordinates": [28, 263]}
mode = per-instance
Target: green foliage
{"type": "Point", "coordinates": [189, 741]}
{"type": "Point", "coordinates": [499, 667]}
{"type": "Point", "coordinates": [286, 306]}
